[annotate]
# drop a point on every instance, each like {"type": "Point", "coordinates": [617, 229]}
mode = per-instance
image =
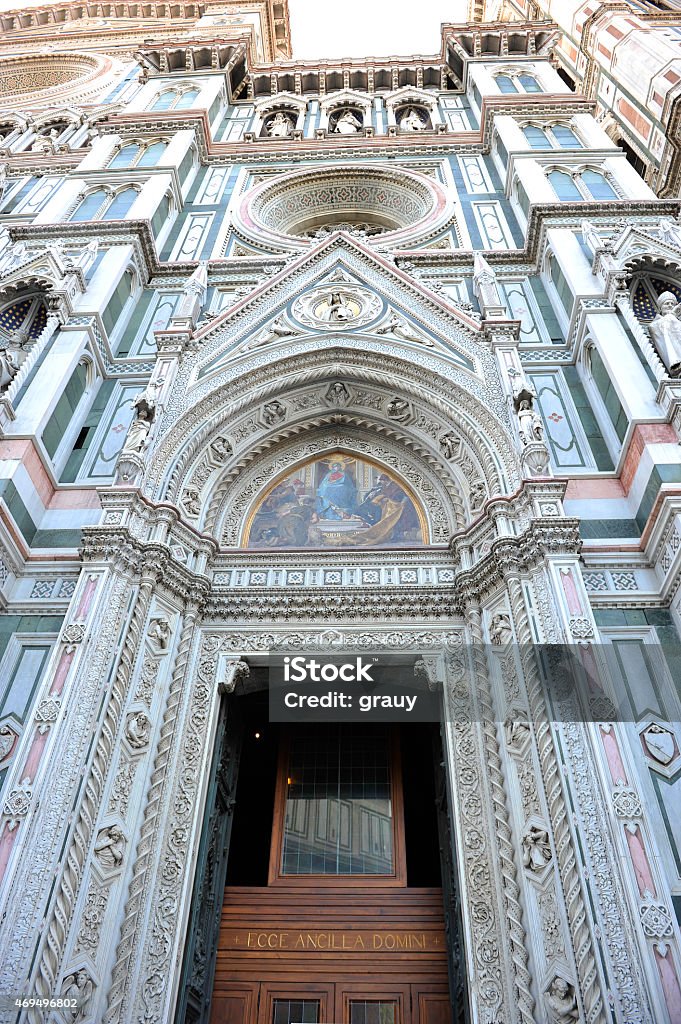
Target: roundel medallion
{"type": "Point", "coordinates": [337, 307]}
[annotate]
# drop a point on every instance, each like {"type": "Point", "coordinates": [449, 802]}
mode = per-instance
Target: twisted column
{"type": "Point", "coordinates": [567, 862]}
{"type": "Point", "coordinates": [521, 975]}
{"type": "Point", "coordinates": [160, 778]}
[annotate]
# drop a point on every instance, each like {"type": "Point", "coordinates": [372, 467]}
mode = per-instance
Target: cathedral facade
{"type": "Point", "coordinates": [376, 361]}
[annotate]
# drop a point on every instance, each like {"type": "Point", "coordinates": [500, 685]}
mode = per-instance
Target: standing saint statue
{"type": "Point", "coordinates": [144, 405]}
{"type": "Point", "coordinates": [665, 331]}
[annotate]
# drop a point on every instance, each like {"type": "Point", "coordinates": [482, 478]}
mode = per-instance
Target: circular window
{"type": "Point", "coordinates": [377, 200]}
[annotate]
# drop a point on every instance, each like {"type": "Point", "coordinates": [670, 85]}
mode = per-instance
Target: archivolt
{"type": "Point", "coordinates": [216, 413]}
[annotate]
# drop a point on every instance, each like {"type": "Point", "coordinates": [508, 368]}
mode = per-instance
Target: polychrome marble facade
{"type": "Point", "coordinates": [359, 355]}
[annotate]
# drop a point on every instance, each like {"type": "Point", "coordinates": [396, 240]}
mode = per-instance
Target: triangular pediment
{"type": "Point", "coordinates": [21, 268]}
{"type": "Point", "coordinates": [341, 292]}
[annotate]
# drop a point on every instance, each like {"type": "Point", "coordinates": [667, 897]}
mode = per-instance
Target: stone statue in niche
{"type": "Point", "coordinates": [665, 331]}
{"type": "Point", "coordinates": [191, 502]}
{"type": "Point", "coordinates": [137, 729]}
{"type": "Point", "coordinates": [159, 632]}
{"type": "Point", "coordinates": [337, 309]}
{"type": "Point", "coordinates": [79, 988]}
{"type": "Point", "coordinates": [530, 426]}
{"type": "Point", "coordinates": [517, 730]}
{"type": "Point", "coordinates": [144, 405]}
{"type": "Point", "coordinates": [562, 1001]}
{"type": "Point", "coordinates": [536, 849]}
{"type": "Point", "coordinates": [477, 494]}
{"type": "Point", "coordinates": [347, 123]}
{"type": "Point", "coordinates": [413, 120]}
{"type": "Point", "coordinates": [337, 394]}
{"type": "Point", "coordinates": [500, 629]}
{"type": "Point", "coordinates": [279, 126]}
{"type": "Point", "coordinates": [110, 847]}
{"type": "Point", "coordinates": [8, 368]}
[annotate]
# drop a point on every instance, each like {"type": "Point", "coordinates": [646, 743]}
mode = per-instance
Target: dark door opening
{"type": "Point", "coordinates": [335, 905]}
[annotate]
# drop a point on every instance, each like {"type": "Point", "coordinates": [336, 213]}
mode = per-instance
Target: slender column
{"type": "Point", "coordinates": [59, 920]}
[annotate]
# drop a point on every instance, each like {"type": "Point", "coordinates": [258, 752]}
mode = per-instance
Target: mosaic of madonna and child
{"type": "Point", "coordinates": [337, 501]}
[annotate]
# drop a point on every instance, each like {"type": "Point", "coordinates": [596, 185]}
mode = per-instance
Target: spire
{"type": "Point", "coordinates": [486, 289]}
{"type": "Point", "coordinates": [193, 296]}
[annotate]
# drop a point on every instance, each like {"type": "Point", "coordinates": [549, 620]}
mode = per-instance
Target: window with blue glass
{"type": "Point", "coordinates": [126, 156]}
{"type": "Point", "coordinates": [120, 204]}
{"type": "Point", "coordinates": [565, 187]}
{"type": "Point", "coordinates": [505, 84]}
{"type": "Point", "coordinates": [556, 136]}
{"type": "Point", "coordinates": [91, 205]}
{"type": "Point", "coordinates": [530, 83]}
{"type": "Point", "coordinates": [586, 185]}
{"type": "Point", "coordinates": [186, 99]}
{"type": "Point", "coordinates": [164, 100]}
{"type": "Point", "coordinates": [537, 138]}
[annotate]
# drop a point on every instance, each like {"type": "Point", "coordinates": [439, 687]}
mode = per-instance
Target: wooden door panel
{"type": "Point", "coordinates": [431, 1007]}
{"type": "Point", "coordinates": [237, 1007]}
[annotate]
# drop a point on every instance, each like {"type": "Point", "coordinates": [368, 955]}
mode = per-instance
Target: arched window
{"type": "Point", "coordinates": [598, 185]}
{"type": "Point", "coordinates": [152, 154]}
{"type": "Point", "coordinates": [565, 187]}
{"type": "Point", "coordinates": [587, 184]}
{"type": "Point", "coordinates": [186, 99]}
{"type": "Point", "coordinates": [126, 157]}
{"type": "Point", "coordinates": [91, 206]}
{"type": "Point", "coordinates": [164, 100]}
{"type": "Point", "coordinates": [121, 204]}
{"type": "Point", "coordinates": [505, 83]}
{"type": "Point", "coordinates": [105, 205]}
{"type": "Point", "coordinates": [537, 138]}
{"type": "Point", "coordinates": [134, 154]}
{"type": "Point", "coordinates": [551, 136]}
{"type": "Point", "coordinates": [513, 81]}
{"type": "Point", "coordinates": [530, 83]}
{"type": "Point", "coordinates": [565, 137]}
